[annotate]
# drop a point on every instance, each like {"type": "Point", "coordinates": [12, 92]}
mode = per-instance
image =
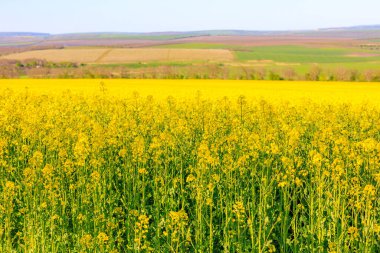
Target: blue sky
{"type": "Point", "coordinates": [66, 16]}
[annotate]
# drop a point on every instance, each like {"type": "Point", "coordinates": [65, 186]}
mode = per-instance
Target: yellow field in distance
{"type": "Point", "coordinates": [124, 55]}
{"type": "Point", "coordinates": [330, 92]}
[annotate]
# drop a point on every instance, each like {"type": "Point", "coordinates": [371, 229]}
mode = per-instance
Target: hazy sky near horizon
{"type": "Point", "coordinates": [68, 16]}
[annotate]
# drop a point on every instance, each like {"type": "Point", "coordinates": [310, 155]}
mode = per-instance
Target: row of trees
{"type": "Point", "coordinates": [43, 69]}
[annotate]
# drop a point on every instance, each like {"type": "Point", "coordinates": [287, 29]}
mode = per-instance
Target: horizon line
{"type": "Point", "coordinates": [206, 30]}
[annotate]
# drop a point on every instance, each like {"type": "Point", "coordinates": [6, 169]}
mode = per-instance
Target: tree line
{"type": "Point", "coordinates": [36, 68]}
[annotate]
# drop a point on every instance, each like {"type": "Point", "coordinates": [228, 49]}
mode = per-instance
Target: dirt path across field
{"type": "Point", "coordinates": [103, 55]}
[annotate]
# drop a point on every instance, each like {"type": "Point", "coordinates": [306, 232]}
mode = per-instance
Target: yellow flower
{"type": "Point", "coordinates": [143, 171]}
{"type": "Point", "coordinates": [190, 178]}
{"type": "Point", "coordinates": [369, 190]}
{"type": "Point", "coordinates": [86, 241]}
{"type": "Point", "coordinates": [25, 149]}
{"type": "Point", "coordinates": [9, 190]}
{"type": "Point", "coordinates": [95, 176]}
{"type": "Point", "coordinates": [332, 247]}
{"type": "Point", "coordinates": [9, 186]}
{"type": "Point", "coordinates": [274, 149]}
{"type": "Point", "coordinates": [55, 217]}
{"type": "Point", "coordinates": [141, 230]}
{"type": "Point", "coordinates": [81, 218]}
{"type": "Point", "coordinates": [216, 178]}
{"type": "Point", "coordinates": [377, 177]}
{"type": "Point", "coordinates": [37, 159]}
{"type": "Point", "coordinates": [298, 182]}
{"type": "Point", "coordinates": [47, 171]}
{"type": "Point", "coordinates": [353, 232]}
{"type": "Point", "coordinates": [122, 152]}
{"type": "Point", "coordinates": [239, 211]}
{"type": "Point", "coordinates": [376, 228]}
{"type": "Point", "coordinates": [102, 238]}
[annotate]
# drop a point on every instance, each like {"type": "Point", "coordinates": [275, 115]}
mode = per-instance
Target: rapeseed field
{"type": "Point", "coordinates": [189, 166]}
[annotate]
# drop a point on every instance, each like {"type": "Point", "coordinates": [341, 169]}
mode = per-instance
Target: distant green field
{"type": "Point", "coordinates": [300, 54]}
{"type": "Point", "coordinates": [290, 54]}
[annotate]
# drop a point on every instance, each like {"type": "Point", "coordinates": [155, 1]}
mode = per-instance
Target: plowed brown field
{"type": "Point", "coordinates": [124, 55]}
